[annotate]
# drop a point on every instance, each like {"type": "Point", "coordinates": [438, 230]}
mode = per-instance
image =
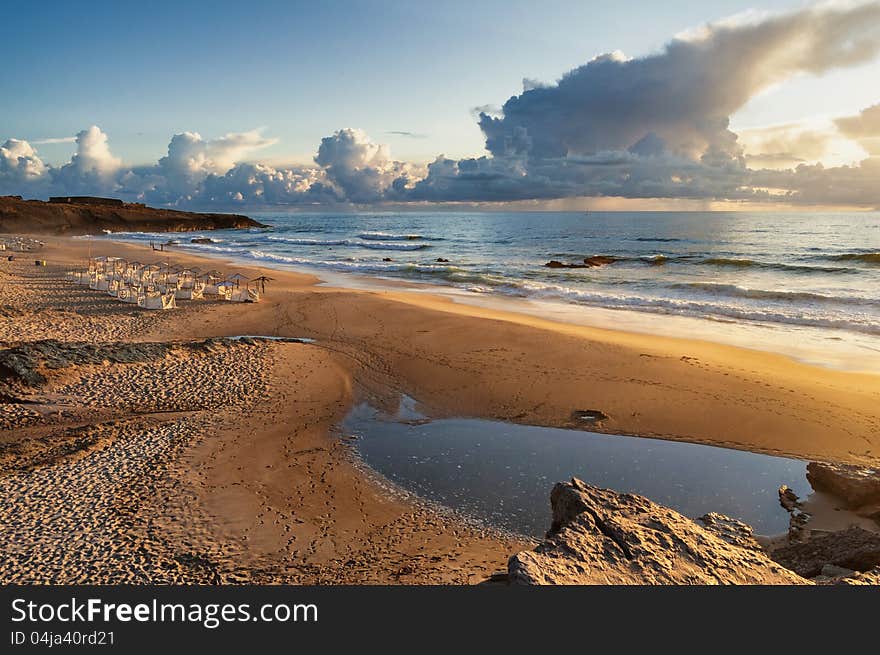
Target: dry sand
{"type": "Point", "coordinates": [218, 463]}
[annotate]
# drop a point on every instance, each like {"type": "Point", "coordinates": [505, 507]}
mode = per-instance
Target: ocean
{"type": "Point", "coordinates": [804, 284]}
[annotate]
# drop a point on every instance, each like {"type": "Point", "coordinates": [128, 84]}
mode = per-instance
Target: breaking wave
{"type": "Point", "coordinates": [861, 257]}
{"type": "Point", "coordinates": [386, 236]}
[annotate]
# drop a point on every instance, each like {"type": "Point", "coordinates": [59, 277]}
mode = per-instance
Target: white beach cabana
{"type": "Point", "coordinates": [241, 289]}
{"type": "Point", "coordinates": [129, 295]}
{"type": "Point", "coordinates": [156, 300]}
{"type": "Point", "coordinates": [210, 279]}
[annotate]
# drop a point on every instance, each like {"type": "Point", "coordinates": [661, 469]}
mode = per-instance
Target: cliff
{"type": "Point", "coordinates": [75, 216]}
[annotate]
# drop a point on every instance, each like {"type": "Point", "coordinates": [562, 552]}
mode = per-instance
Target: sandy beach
{"type": "Point", "coordinates": [208, 460]}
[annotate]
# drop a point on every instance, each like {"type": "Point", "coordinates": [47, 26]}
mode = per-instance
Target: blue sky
{"type": "Point", "coordinates": [144, 71]}
{"type": "Point", "coordinates": [299, 71]}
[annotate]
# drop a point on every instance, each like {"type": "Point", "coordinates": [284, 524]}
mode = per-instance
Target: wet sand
{"type": "Point", "coordinates": [219, 463]}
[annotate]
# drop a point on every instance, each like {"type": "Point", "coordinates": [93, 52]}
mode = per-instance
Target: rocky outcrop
{"type": "Point", "coordinates": [798, 518]}
{"type": "Point", "coordinates": [87, 216]}
{"type": "Point", "coordinates": [731, 530]}
{"type": "Point", "coordinates": [857, 486]}
{"type": "Point", "coordinates": [855, 549]}
{"type": "Point", "coordinates": [871, 577]}
{"type": "Point", "coordinates": [589, 262]}
{"type": "Point", "coordinates": [553, 263]}
{"type": "Point", "coordinates": [599, 536]}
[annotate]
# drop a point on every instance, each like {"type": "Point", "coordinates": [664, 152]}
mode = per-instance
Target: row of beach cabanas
{"type": "Point", "coordinates": [160, 285]}
{"type": "Point", "coordinates": [20, 244]}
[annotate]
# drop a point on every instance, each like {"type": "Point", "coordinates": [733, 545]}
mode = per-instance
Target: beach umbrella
{"type": "Point", "coordinates": [237, 278]}
{"type": "Point", "coordinates": [261, 282]}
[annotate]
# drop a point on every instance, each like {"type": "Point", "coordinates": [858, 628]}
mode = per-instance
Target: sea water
{"type": "Point", "coordinates": [806, 284]}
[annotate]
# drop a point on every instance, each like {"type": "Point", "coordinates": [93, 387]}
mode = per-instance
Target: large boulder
{"type": "Point", "coordinates": [599, 536]}
{"type": "Point", "coordinates": [857, 486]}
{"type": "Point", "coordinates": [854, 548]}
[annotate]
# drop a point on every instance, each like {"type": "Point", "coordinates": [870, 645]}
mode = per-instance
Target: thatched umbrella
{"type": "Point", "coordinates": [261, 282]}
{"type": "Point", "coordinates": [236, 278]}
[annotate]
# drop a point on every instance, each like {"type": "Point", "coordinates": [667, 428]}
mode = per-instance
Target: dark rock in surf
{"type": "Point", "coordinates": [599, 260]}
{"type": "Point", "coordinates": [557, 264]}
{"type": "Point", "coordinates": [589, 262]}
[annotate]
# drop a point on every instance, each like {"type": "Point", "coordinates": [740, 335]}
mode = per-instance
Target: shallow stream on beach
{"type": "Point", "coordinates": [502, 473]}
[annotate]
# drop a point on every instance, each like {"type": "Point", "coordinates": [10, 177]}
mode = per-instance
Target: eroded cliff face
{"type": "Point", "coordinates": [72, 218]}
{"type": "Point", "coordinates": [599, 536]}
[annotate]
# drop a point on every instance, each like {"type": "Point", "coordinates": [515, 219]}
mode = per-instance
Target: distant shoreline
{"type": "Point", "coordinates": [82, 215]}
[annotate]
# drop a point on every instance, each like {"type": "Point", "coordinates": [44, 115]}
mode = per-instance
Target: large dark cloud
{"type": "Point", "coordinates": [658, 126]}
{"type": "Point", "coordinates": [684, 95]}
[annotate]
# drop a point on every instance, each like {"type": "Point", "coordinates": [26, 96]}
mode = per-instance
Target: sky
{"type": "Point", "coordinates": [558, 103]}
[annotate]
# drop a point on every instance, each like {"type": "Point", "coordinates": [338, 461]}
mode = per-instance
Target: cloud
{"type": "Point", "coordinates": [788, 145]}
{"type": "Point", "coordinates": [92, 169]}
{"type": "Point", "coordinates": [649, 127]}
{"type": "Point", "coordinates": [19, 166]}
{"type": "Point", "coordinates": [51, 140]}
{"type": "Point", "coordinates": [263, 185]}
{"type": "Point", "coordinates": [93, 154]}
{"type": "Point", "coordinates": [685, 94]}
{"type": "Point", "coordinates": [191, 159]}
{"type": "Point", "coordinates": [659, 126]}
{"type": "Point", "coordinates": [409, 135]}
{"type": "Point", "coordinates": [864, 128]}
{"type": "Point", "coordinates": [362, 170]}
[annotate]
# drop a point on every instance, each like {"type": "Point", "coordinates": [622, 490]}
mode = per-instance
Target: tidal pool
{"type": "Point", "coordinates": [502, 473]}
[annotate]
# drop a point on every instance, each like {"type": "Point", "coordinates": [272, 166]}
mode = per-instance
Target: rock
{"type": "Point", "coordinates": [854, 548]}
{"type": "Point", "coordinates": [599, 536]}
{"type": "Point", "coordinates": [386, 259]}
{"type": "Point", "coordinates": [855, 485]}
{"type": "Point", "coordinates": [870, 512]}
{"type": "Point", "coordinates": [798, 518]}
{"type": "Point", "coordinates": [557, 264]}
{"type": "Point", "coordinates": [202, 240]}
{"type": "Point", "coordinates": [589, 262]}
{"type": "Point", "coordinates": [788, 498]}
{"type": "Point", "coordinates": [871, 577]}
{"type": "Point", "coordinates": [797, 522]}
{"type": "Point", "coordinates": [442, 260]}
{"type": "Point", "coordinates": [832, 571]}
{"type": "Point", "coordinates": [731, 530]}
{"type": "Point", "coordinates": [599, 260]}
